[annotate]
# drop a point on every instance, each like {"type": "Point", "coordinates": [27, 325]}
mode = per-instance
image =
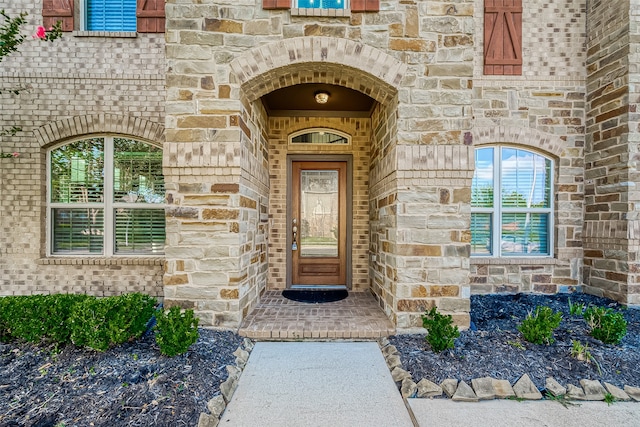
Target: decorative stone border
{"type": "Point", "coordinates": [218, 404]}
{"type": "Point", "coordinates": [488, 388]}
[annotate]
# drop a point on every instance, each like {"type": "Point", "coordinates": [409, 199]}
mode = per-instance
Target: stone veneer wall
{"type": "Point", "coordinates": [612, 227]}
{"type": "Point", "coordinates": [542, 110]}
{"type": "Point", "coordinates": [279, 130]}
{"type": "Point", "coordinates": [108, 84]}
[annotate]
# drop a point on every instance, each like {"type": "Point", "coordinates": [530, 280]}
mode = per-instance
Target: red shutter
{"type": "Point", "coordinates": [503, 37]}
{"type": "Point", "coordinates": [151, 17]}
{"type": "Point", "coordinates": [365, 5]}
{"type": "Point", "coordinates": [57, 10]}
{"type": "Point", "coordinates": [276, 4]}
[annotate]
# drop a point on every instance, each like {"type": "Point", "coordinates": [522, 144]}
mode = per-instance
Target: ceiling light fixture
{"type": "Point", "coordinates": [322, 97]}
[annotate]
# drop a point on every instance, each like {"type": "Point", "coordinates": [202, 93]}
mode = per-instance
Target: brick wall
{"type": "Point", "coordinates": [107, 84]}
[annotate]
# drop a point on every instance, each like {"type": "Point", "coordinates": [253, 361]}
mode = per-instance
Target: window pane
{"type": "Point", "coordinates": [137, 175]}
{"type": "Point", "coordinates": [321, 4]}
{"type": "Point", "coordinates": [481, 233]}
{"type": "Point", "coordinates": [319, 213]}
{"type": "Point", "coordinates": [139, 231]}
{"type": "Point", "coordinates": [77, 172]}
{"type": "Point", "coordinates": [319, 138]}
{"type": "Point", "coordinates": [111, 15]}
{"type": "Point", "coordinates": [525, 179]}
{"type": "Point", "coordinates": [525, 233]}
{"type": "Point", "coordinates": [78, 230]}
{"type": "Point", "coordinates": [482, 184]}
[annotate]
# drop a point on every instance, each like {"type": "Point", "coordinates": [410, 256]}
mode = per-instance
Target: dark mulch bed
{"type": "Point", "coordinates": [491, 346]}
{"type": "Point", "coordinates": [131, 385]}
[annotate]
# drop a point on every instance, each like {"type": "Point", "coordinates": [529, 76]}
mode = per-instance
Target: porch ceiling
{"type": "Point", "coordinates": [299, 100]}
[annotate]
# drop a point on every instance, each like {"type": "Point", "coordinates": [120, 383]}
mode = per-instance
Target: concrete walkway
{"type": "Point", "coordinates": [316, 384]}
{"type": "Point", "coordinates": [305, 384]}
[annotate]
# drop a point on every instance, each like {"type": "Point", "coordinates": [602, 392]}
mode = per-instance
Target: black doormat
{"type": "Point", "coordinates": [315, 296]}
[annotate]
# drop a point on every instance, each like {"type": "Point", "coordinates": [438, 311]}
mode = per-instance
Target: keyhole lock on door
{"type": "Point", "coordinates": [294, 229]}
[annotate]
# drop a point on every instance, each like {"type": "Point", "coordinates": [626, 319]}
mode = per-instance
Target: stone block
{"type": "Point", "coordinates": [393, 361]}
{"type": "Point", "coordinates": [427, 388]}
{"type": "Point", "coordinates": [617, 392]}
{"type": "Point", "coordinates": [554, 387]}
{"type": "Point", "coordinates": [483, 388]}
{"type": "Point", "coordinates": [593, 390]}
{"type": "Point", "coordinates": [408, 388]}
{"type": "Point", "coordinates": [633, 392]}
{"type": "Point", "coordinates": [503, 389]}
{"type": "Point", "coordinates": [449, 386]}
{"type": "Point", "coordinates": [399, 375]}
{"type": "Point", "coordinates": [207, 420]}
{"type": "Point", "coordinates": [525, 389]}
{"type": "Point", "coordinates": [464, 393]}
{"type": "Point", "coordinates": [216, 406]}
{"type": "Point", "coordinates": [575, 392]}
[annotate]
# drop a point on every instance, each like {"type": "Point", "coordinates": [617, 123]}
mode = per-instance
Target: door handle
{"type": "Point", "coordinates": [294, 230]}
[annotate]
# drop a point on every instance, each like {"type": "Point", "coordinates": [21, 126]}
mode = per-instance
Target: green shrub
{"type": "Point", "coordinates": [101, 322]}
{"type": "Point", "coordinates": [538, 327]}
{"type": "Point", "coordinates": [37, 318]}
{"type": "Point", "coordinates": [176, 331]}
{"type": "Point", "coordinates": [441, 332]}
{"type": "Point", "coordinates": [606, 325]}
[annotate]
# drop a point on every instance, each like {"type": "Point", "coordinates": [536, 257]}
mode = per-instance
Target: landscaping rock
{"type": "Point", "coordinates": [449, 386]}
{"type": "Point", "coordinates": [393, 361]}
{"type": "Point", "coordinates": [617, 392]}
{"type": "Point", "coordinates": [216, 406]}
{"type": "Point", "coordinates": [399, 375]}
{"type": "Point", "coordinates": [207, 420]}
{"type": "Point", "coordinates": [248, 344]}
{"type": "Point", "coordinates": [383, 342]}
{"type": "Point", "coordinates": [408, 388]}
{"type": "Point", "coordinates": [633, 392]}
{"type": "Point", "coordinates": [554, 387]}
{"type": "Point", "coordinates": [575, 392]}
{"type": "Point", "coordinates": [241, 357]}
{"type": "Point", "coordinates": [234, 371]}
{"type": "Point", "coordinates": [593, 390]}
{"type": "Point", "coordinates": [427, 388]}
{"type": "Point", "coordinates": [389, 349]}
{"type": "Point", "coordinates": [483, 388]}
{"type": "Point", "coordinates": [228, 387]}
{"type": "Point", "coordinates": [503, 389]}
{"type": "Point", "coordinates": [464, 393]}
{"type": "Point", "coordinates": [525, 389]}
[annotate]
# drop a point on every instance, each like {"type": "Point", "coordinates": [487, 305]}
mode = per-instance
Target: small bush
{"type": "Point", "coordinates": [576, 309]}
{"type": "Point", "coordinates": [606, 325]}
{"type": "Point", "coordinates": [101, 322]}
{"type": "Point", "coordinates": [538, 327]}
{"type": "Point", "coordinates": [37, 318]}
{"type": "Point", "coordinates": [175, 331]}
{"type": "Point", "coordinates": [441, 332]}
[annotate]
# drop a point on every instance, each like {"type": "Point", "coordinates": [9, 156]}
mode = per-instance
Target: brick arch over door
{"type": "Point", "coordinates": [319, 60]}
{"type": "Point", "coordinates": [99, 123]}
{"type": "Point", "coordinates": [532, 138]}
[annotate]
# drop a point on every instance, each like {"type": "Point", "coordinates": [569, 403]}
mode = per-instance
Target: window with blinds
{"type": "Point", "coordinates": [106, 197]}
{"type": "Point", "coordinates": [110, 15]}
{"type": "Point", "coordinates": [321, 4]}
{"type": "Point", "coordinates": [511, 203]}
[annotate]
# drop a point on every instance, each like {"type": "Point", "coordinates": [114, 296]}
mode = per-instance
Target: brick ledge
{"type": "Point", "coordinates": [101, 261]}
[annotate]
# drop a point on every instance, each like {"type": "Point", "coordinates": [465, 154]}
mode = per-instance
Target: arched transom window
{"type": "Point", "coordinates": [106, 197]}
{"type": "Point", "coordinates": [511, 203]}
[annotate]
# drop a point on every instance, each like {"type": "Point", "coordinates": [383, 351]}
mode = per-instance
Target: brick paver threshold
{"type": "Point", "coordinates": [356, 317]}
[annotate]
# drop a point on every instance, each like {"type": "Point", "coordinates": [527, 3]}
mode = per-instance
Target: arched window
{"type": "Point", "coordinates": [320, 136]}
{"type": "Point", "coordinates": [511, 203]}
{"type": "Point", "coordinates": [105, 197]}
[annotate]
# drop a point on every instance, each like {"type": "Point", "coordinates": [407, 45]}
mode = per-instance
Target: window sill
{"type": "Point", "coordinates": [330, 13]}
{"type": "Point", "coordinates": [109, 34]}
{"type": "Point", "coordinates": [151, 260]}
{"type": "Point", "coordinates": [516, 260]}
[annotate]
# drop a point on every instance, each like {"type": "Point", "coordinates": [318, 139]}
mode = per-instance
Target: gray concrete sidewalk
{"type": "Point", "coordinates": [316, 384]}
{"type": "Point", "coordinates": [492, 413]}
{"type": "Point", "coordinates": [348, 384]}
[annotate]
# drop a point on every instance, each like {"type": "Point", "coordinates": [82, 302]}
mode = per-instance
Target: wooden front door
{"type": "Point", "coordinates": [318, 223]}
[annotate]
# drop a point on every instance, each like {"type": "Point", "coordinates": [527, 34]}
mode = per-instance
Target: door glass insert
{"type": "Point", "coordinates": [319, 213]}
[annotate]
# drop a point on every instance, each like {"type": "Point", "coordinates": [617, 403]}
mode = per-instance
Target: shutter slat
{"type": "Point", "coordinates": [58, 10]}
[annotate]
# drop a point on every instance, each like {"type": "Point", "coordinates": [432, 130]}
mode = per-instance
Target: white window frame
{"type": "Point", "coordinates": [319, 130]}
{"type": "Point", "coordinates": [497, 210]}
{"type": "Point", "coordinates": [108, 204]}
{"type": "Point", "coordinates": [347, 6]}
